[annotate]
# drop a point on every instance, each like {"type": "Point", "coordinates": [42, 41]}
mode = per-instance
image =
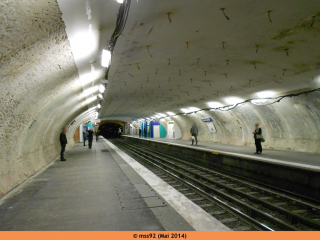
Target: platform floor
{"type": "Point", "coordinates": [297, 159]}
{"type": "Point", "coordinates": [79, 194]}
{"type": "Point", "coordinates": [96, 189]}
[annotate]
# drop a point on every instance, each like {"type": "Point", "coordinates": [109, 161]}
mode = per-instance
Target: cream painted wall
{"type": "Point", "coordinates": [293, 124]}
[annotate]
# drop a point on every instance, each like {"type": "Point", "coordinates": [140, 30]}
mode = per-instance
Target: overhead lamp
{"type": "Point", "coordinates": [120, 1]}
{"type": "Point", "coordinates": [102, 88]}
{"type": "Point", "coordinates": [185, 110]}
{"type": "Point", "coordinates": [194, 109]}
{"type": "Point", "coordinates": [265, 94]}
{"type": "Point", "coordinates": [214, 104]}
{"type": "Point", "coordinates": [100, 96]}
{"type": "Point", "coordinates": [106, 58]}
{"type": "Point", "coordinates": [99, 105]}
{"type": "Point", "coordinates": [258, 101]}
{"type": "Point", "coordinates": [170, 113]}
{"type": "Point", "coordinates": [233, 100]}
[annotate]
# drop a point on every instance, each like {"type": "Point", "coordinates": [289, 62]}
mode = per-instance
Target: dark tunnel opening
{"type": "Point", "coordinates": [110, 130]}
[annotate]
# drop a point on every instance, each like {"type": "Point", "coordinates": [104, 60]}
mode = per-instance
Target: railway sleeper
{"type": "Point", "coordinates": [189, 194]}
{"type": "Point", "coordinates": [218, 212]}
{"type": "Point", "coordinates": [197, 199]}
{"type": "Point", "coordinates": [243, 228]}
{"type": "Point", "coordinates": [229, 220]}
{"type": "Point", "coordinates": [206, 205]}
{"type": "Point", "coordinates": [176, 185]}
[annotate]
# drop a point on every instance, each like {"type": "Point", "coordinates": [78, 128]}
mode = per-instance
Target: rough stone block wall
{"type": "Point", "coordinates": [76, 135]}
{"type": "Point", "coordinates": [40, 85]}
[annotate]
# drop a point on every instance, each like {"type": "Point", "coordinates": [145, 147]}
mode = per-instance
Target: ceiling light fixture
{"type": "Point", "coordinates": [265, 94]}
{"type": "Point", "coordinates": [214, 104]}
{"type": "Point", "coordinates": [100, 96]}
{"type": "Point", "coordinates": [259, 101]}
{"type": "Point", "coordinates": [171, 113]}
{"type": "Point", "coordinates": [102, 88]}
{"type": "Point", "coordinates": [106, 58]}
{"type": "Point", "coordinates": [185, 110]}
{"type": "Point", "coordinates": [99, 105]}
{"type": "Point", "coordinates": [194, 109]}
{"type": "Point", "coordinates": [120, 1]}
{"type": "Point", "coordinates": [233, 100]}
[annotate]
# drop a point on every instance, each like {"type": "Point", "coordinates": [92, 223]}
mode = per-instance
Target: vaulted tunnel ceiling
{"type": "Point", "coordinates": [186, 53]}
{"type": "Point", "coordinates": [171, 55]}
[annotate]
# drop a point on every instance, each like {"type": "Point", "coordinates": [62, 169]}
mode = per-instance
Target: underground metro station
{"type": "Point", "coordinates": [140, 115]}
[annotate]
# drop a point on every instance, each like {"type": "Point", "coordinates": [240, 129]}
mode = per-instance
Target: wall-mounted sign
{"type": "Point", "coordinates": [211, 127]}
{"type": "Point", "coordinates": [95, 120]}
{"type": "Point", "coordinates": [206, 120]}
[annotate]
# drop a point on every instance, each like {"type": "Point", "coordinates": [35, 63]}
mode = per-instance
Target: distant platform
{"type": "Point", "coordinates": [292, 158]}
{"type": "Point", "coordinates": [295, 172]}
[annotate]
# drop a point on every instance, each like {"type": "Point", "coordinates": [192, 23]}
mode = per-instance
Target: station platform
{"type": "Point", "coordinates": [292, 158]}
{"type": "Point", "coordinates": [295, 172]}
{"type": "Point", "coordinates": [100, 189]}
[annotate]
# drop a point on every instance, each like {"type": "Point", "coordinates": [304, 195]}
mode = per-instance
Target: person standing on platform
{"type": "Point", "coordinates": [119, 133]}
{"type": "Point", "coordinates": [257, 134]}
{"type": "Point", "coordinates": [97, 136]}
{"type": "Point", "coordinates": [140, 132]}
{"type": "Point", "coordinates": [63, 143]}
{"type": "Point", "coordinates": [90, 137]}
{"type": "Point", "coordinates": [194, 133]}
{"type": "Point", "coordinates": [145, 132]}
{"type": "Point", "coordinates": [84, 135]}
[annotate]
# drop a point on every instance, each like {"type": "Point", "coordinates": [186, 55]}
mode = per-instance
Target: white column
{"type": "Point", "coordinates": [80, 133]}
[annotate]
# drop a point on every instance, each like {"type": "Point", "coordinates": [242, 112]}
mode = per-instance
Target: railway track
{"type": "Point", "coordinates": [237, 203]}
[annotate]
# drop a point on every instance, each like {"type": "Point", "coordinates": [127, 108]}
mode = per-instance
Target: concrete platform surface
{"type": "Point", "coordinates": [292, 158]}
{"type": "Point", "coordinates": [100, 189]}
{"type": "Point", "coordinates": [90, 191]}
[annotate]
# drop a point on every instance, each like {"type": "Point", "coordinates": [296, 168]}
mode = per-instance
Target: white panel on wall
{"type": "Point", "coordinates": [211, 127]}
{"type": "Point", "coordinates": [170, 129]}
{"type": "Point", "coordinates": [173, 130]}
{"type": "Point", "coordinates": [80, 134]}
{"type": "Point", "coordinates": [177, 131]}
{"type": "Point", "coordinates": [156, 131]}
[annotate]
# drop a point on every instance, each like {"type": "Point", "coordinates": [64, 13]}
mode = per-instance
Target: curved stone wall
{"type": "Point", "coordinates": [40, 85]}
{"type": "Point", "coordinates": [292, 124]}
